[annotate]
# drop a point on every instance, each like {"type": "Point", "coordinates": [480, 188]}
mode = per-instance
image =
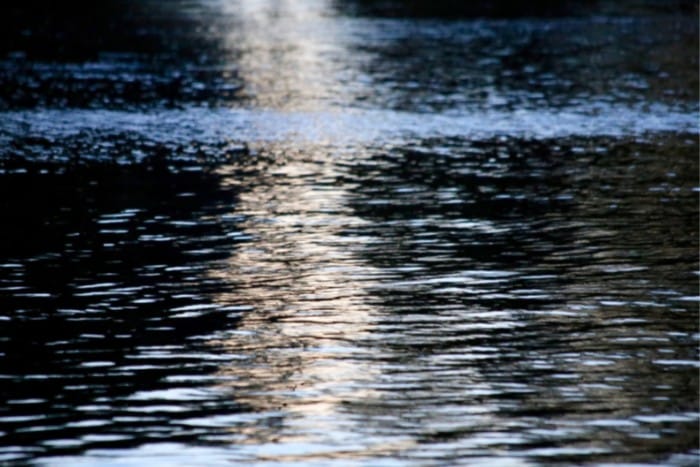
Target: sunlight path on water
{"type": "Point", "coordinates": [307, 302]}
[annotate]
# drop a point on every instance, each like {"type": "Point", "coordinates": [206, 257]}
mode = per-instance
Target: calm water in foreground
{"type": "Point", "coordinates": [308, 233]}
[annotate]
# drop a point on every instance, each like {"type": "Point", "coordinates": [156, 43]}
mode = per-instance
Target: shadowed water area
{"type": "Point", "coordinates": [349, 232]}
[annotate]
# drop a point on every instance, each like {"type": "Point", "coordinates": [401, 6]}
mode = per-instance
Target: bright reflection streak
{"type": "Point", "coordinates": [287, 52]}
{"type": "Point", "coordinates": [299, 343]}
{"type": "Point", "coordinates": [300, 361]}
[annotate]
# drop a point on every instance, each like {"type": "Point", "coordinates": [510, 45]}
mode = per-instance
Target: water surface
{"type": "Point", "coordinates": [313, 233]}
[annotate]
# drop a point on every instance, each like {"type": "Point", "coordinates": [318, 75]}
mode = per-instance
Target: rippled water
{"type": "Point", "coordinates": [308, 233]}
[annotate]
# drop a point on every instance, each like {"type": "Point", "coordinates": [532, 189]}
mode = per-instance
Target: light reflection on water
{"type": "Point", "coordinates": [305, 290]}
{"type": "Point", "coordinates": [402, 242]}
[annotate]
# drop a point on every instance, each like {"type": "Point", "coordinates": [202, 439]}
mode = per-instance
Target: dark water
{"type": "Point", "coordinates": [348, 233]}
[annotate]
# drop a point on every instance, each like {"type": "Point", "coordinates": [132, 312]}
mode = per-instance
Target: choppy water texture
{"type": "Point", "coordinates": [348, 233]}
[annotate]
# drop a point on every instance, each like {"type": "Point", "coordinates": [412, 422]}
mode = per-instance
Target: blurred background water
{"type": "Point", "coordinates": [349, 232]}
